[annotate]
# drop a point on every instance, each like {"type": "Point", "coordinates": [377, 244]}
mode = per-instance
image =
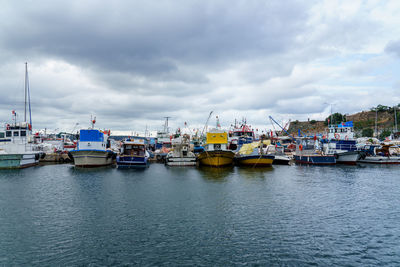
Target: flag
{"type": "Point", "coordinates": [13, 112]}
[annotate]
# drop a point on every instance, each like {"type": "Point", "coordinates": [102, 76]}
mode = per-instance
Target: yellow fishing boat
{"type": "Point", "coordinates": [254, 155]}
{"type": "Point", "coordinates": [216, 153]}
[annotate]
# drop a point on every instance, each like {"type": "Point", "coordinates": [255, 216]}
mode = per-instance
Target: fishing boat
{"type": "Point", "coordinates": [381, 154]}
{"type": "Point", "coordinates": [216, 153]}
{"type": "Point", "coordinates": [17, 149]}
{"type": "Point", "coordinates": [180, 155]}
{"type": "Point", "coordinates": [92, 149]}
{"type": "Point", "coordinates": [309, 151]}
{"type": "Point", "coordinates": [133, 154]}
{"type": "Point", "coordinates": [240, 134]}
{"type": "Point", "coordinates": [163, 144]}
{"type": "Point", "coordinates": [341, 144]}
{"type": "Point", "coordinates": [278, 151]}
{"type": "Point", "coordinates": [254, 155]}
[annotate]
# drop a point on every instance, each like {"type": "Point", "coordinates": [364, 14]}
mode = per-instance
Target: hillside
{"type": "Point", "coordinates": [362, 120]}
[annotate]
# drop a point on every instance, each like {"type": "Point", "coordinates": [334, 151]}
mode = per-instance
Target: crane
{"type": "Point", "coordinates": [282, 128]}
{"type": "Point", "coordinates": [205, 126]}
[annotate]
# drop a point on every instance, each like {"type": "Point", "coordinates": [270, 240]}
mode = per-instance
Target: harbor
{"type": "Point", "coordinates": [200, 133]}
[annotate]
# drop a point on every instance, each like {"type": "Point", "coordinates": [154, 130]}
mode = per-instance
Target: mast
{"type": "Point", "coordinates": [26, 88]}
{"type": "Point", "coordinates": [376, 122]}
{"type": "Point", "coordinates": [27, 101]}
{"type": "Point", "coordinates": [166, 124]}
{"type": "Point", "coordinates": [395, 118]}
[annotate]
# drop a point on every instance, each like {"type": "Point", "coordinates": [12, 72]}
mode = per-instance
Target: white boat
{"type": "Point", "coordinates": [180, 155]}
{"type": "Point", "coordinates": [16, 147]}
{"type": "Point", "coordinates": [16, 143]}
{"type": "Point", "coordinates": [93, 149]}
{"type": "Point", "coordinates": [280, 157]}
{"type": "Point", "coordinates": [340, 142]}
{"type": "Point", "coordinates": [384, 154]}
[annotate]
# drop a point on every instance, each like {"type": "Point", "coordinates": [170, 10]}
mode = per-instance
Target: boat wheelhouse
{"type": "Point", "coordinates": [241, 134]}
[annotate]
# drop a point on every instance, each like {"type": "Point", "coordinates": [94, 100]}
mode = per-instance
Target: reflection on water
{"type": "Point", "coordinates": [215, 174]}
{"type": "Point", "coordinates": [252, 173]}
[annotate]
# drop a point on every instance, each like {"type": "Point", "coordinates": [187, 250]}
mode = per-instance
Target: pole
{"type": "Point", "coordinates": [26, 90]}
{"type": "Point", "coordinates": [395, 118]}
{"type": "Point", "coordinates": [376, 122]}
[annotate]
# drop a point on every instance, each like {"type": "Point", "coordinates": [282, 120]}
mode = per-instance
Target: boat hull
{"type": "Point", "coordinates": [255, 160]}
{"type": "Point", "coordinates": [181, 161]}
{"type": "Point", "coordinates": [380, 160]}
{"type": "Point", "coordinates": [315, 159]}
{"type": "Point", "coordinates": [18, 161]}
{"type": "Point", "coordinates": [216, 158]}
{"type": "Point", "coordinates": [91, 158]}
{"type": "Point", "coordinates": [132, 162]}
{"type": "Point", "coordinates": [281, 160]}
{"type": "Point", "coordinates": [349, 158]}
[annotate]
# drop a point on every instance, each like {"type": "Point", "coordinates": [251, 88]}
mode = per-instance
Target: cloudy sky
{"type": "Point", "coordinates": [131, 63]}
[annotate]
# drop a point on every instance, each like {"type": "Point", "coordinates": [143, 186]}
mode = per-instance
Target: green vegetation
{"type": "Point", "coordinates": [384, 134]}
{"type": "Point", "coordinates": [363, 124]}
{"type": "Point", "coordinates": [382, 108]}
{"type": "Point", "coordinates": [336, 118]}
{"type": "Point", "coordinates": [367, 132]}
{"type": "Point", "coordinates": [313, 121]}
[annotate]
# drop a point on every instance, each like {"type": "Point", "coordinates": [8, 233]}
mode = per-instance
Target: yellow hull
{"type": "Point", "coordinates": [255, 161]}
{"type": "Point", "coordinates": [216, 158]}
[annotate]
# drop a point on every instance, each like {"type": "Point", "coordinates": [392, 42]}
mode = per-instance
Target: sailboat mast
{"type": "Point", "coordinates": [26, 88]}
{"type": "Point", "coordinates": [395, 118]}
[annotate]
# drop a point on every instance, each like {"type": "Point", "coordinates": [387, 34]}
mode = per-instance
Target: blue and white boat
{"type": "Point", "coordinates": [340, 142]}
{"type": "Point", "coordinates": [133, 154]}
{"type": "Point", "coordinates": [309, 151]}
{"type": "Point", "coordinates": [93, 149]}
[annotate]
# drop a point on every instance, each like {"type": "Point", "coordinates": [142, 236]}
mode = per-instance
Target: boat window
{"type": "Point", "coordinates": [23, 133]}
{"type": "Point", "coordinates": [8, 133]}
{"type": "Point", "coordinates": [128, 147]}
{"type": "Point", "coordinates": [16, 133]}
{"type": "Point", "coordinates": [1, 135]}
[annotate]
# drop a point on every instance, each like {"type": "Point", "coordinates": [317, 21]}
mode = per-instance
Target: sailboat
{"type": "Point", "coordinates": [16, 142]}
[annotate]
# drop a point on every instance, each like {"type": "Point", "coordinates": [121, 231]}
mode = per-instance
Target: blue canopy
{"type": "Point", "coordinates": [346, 124]}
{"type": "Point", "coordinates": [91, 136]}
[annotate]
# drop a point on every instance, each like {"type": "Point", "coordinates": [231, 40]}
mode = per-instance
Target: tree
{"type": "Point", "coordinates": [367, 132]}
{"type": "Point", "coordinates": [384, 134]}
{"type": "Point", "coordinates": [336, 118]}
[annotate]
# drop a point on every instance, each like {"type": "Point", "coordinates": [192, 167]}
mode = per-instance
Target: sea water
{"type": "Point", "coordinates": [284, 215]}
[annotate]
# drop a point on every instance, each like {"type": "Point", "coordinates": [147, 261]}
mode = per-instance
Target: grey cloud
{"type": "Point", "coordinates": [393, 47]}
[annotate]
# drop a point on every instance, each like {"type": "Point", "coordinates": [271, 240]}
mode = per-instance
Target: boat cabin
{"type": "Point", "coordinates": [16, 131]}
{"type": "Point", "coordinates": [216, 141]}
{"type": "Point", "coordinates": [93, 139]}
{"type": "Point", "coordinates": [342, 131]}
{"type": "Point", "coordinates": [133, 147]}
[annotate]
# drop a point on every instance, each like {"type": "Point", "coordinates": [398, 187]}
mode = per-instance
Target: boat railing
{"type": "Point", "coordinates": [348, 147]}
